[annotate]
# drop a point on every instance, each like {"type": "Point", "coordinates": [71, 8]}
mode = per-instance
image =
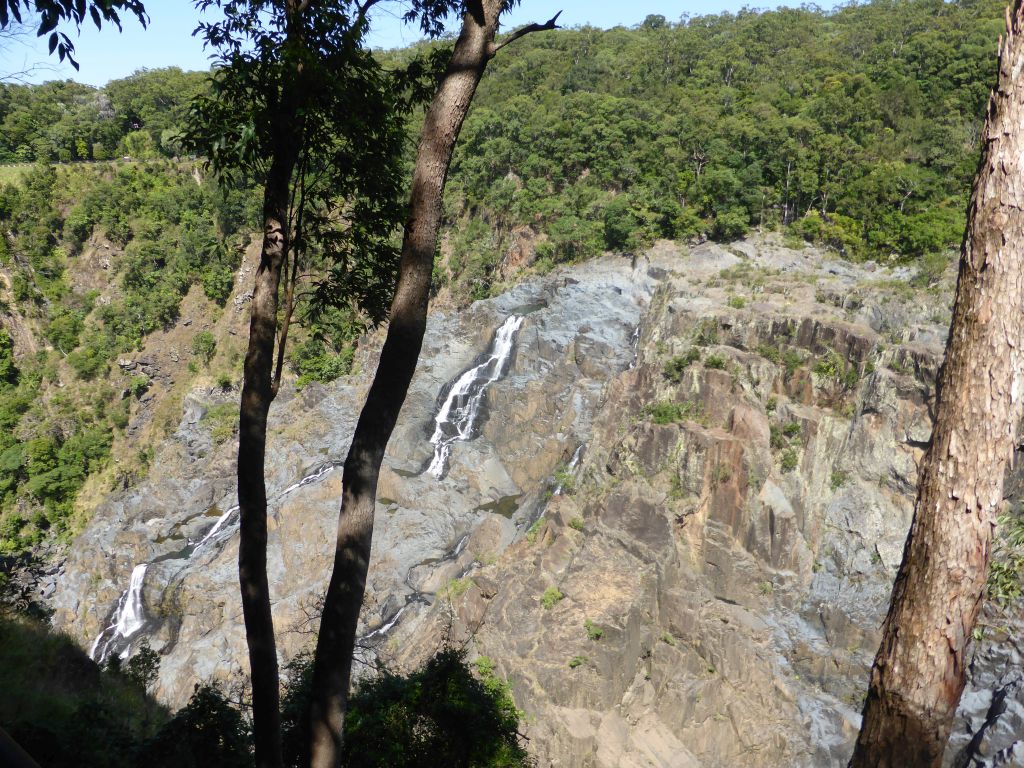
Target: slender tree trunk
{"type": "Point", "coordinates": [257, 395]}
{"type": "Point", "coordinates": [258, 391]}
{"type": "Point", "coordinates": [335, 645]}
{"type": "Point", "coordinates": [12, 755]}
{"type": "Point", "coordinates": [919, 672]}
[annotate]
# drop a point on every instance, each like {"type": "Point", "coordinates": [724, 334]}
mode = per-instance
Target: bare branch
{"type": "Point", "coordinates": [21, 35]}
{"type": "Point", "coordinates": [363, 9]}
{"type": "Point", "coordinates": [523, 31]}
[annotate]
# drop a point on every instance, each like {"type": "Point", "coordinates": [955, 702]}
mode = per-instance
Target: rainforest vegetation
{"type": "Point", "coordinates": [856, 128]}
{"type": "Point", "coordinates": [66, 712]}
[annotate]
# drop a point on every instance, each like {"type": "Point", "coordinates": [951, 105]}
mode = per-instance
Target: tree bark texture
{"type": "Point", "coordinates": [336, 642]}
{"type": "Point", "coordinates": [919, 671]}
{"type": "Point", "coordinates": [258, 393]}
{"type": "Point", "coordinates": [257, 396]}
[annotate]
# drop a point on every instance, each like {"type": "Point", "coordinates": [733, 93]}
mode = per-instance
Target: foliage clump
{"type": "Point", "coordinates": [668, 412]}
{"type": "Point", "coordinates": [676, 366]}
{"type": "Point", "coordinates": [204, 346]}
{"type": "Point", "coordinates": [1006, 572]}
{"type": "Point", "coordinates": [444, 713]}
{"type": "Point", "coordinates": [551, 597]}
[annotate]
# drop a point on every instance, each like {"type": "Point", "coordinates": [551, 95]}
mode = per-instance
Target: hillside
{"type": "Point", "coordinates": [674, 528]}
{"type": "Point", "coordinates": [659, 456]}
{"type": "Point", "coordinates": [856, 129]}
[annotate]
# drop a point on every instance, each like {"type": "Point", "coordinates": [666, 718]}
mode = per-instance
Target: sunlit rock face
{"type": "Point", "coordinates": [672, 521]}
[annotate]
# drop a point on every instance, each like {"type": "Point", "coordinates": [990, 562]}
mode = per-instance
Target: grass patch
{"type": "Point", "coordinates": [706, 334]}
{"type": "Point", "coordinates": [791, 361]}
{"type": "Point", "coordinates": [1006, 571]}
{"type": "Point", "coordinates": [534, 530]}
{"type": "Point", "coordinates": [222, 419]}
{"type": "Point", "coordinates": [674, 368]}
{"type": "Point", "coordinates": [716, 362]}
{"type": "Point", "coordinates": [456, 588]}
{"type": "Point", "coordinates": [14, 173]}
{"type": "Point", "coordinates": [566, 480]}
{"type": "Point", "coordinates": [769, 353]}
{"type": "Point", "coordinates": [666, 412]}
{"type": "Point", "coordinates": [551, 596]}
{"type": "Point", "coordinates": [790, 460]}
{"type": "Point", "coordinates": [838, 479]}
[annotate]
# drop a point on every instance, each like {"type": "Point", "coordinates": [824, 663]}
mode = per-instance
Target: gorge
{"type": "Point", "coordinates": [665, 495]}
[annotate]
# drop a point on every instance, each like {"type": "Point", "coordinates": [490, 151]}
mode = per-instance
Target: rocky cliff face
{"type": "Point", "coordinates": [673, 522]}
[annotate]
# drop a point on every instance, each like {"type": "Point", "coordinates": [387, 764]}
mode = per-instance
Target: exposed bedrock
{"type": "Point", "coordinates": [672, 522]}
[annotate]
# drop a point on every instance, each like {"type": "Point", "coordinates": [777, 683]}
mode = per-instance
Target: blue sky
{"type": "Point", "coordinates": [107, 55]}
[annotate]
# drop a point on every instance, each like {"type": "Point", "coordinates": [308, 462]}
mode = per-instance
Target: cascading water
{"type": "Point", "coordinates": [458, 413]}
{"type": "Point", "coordinates": [130, 616]}
{"type": "Point", "coordinates": [570, 467]}
{"type": "Point", "coordinates": [223, 520]}
{"type": "Point", "coordinates": [634, 343]}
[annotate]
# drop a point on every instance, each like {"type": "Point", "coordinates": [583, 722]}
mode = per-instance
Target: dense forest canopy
{"type": "Point", "coordinates": [858, 128]}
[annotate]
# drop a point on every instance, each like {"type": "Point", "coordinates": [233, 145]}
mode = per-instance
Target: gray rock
{"type": "Point", "coordinates": [738, 573]}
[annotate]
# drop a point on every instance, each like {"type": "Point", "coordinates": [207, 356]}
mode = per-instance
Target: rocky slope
{"type": "Point", "coordinates": [673, 525]}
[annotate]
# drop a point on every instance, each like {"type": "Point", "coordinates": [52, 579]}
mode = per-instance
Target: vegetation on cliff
{"type": "Point", "coordinates": [67, 712]}
{"type": "Point", "coordinates": [858, 128]}
{"type": "Point", "coordinates": [94, 259]}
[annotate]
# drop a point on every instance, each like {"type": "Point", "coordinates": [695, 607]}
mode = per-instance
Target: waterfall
{"type": "Point", "coordinates": [223, 520]}
{"type": "Point", "coordinates": [309, 479]}
{"type": "Point", "coordinates": [573, 463]}
{"type": "Point", "coordinates": [132, 615]}
{"type": "Point", "coordinates": [457, 416]}
{"type": "Point", "coordinates": [129, 617]}
{"type": "Point", "coordinates": [634, 343]}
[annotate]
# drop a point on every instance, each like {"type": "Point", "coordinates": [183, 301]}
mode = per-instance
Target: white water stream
{"type": "Point", "coordinates": [128, 619]}
{"type": "Point", "coordinates": [130, 615]}
{"type": "Point", "coordinates": [570, 467]}
{"type": "Point", "coordinates": [634, 342]}
{"type": "Point", "coordinates": [454, 421]}
{"type": "Point", "coordinates": [458, 413]}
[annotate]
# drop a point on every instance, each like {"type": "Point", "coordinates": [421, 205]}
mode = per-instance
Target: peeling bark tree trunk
{"type": "Point", "coordinates": [333, 662]}
{"type": "Point", "coordinates": [919, 672]}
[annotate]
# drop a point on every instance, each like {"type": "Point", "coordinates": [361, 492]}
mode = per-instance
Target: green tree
{"type": "Point", "coordinates": [8, 368]}
{"type": "Point", "coordinates": [203, 346]}
{"type": "Point", "coordinates": [443, 121]}
{"type": "Point", "coordinates": [299, 103]}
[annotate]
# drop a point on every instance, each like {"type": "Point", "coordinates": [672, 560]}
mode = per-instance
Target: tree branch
{"type": "Point", "coordinates": [522, 32]}
{"type": "Point", "coordinates": [363, 9]}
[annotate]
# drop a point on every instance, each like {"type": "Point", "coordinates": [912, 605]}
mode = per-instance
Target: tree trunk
{"type": "Point", "coordinates": [258, 393]}
{"type": "Point", "coordinates": [336, 642]}
{"type": "Point", "coordinates": [12, 755]}
{"type": "Point", "coordinates": [257, 396]}
{"type": "Point", "coordinates": [919, 672]}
